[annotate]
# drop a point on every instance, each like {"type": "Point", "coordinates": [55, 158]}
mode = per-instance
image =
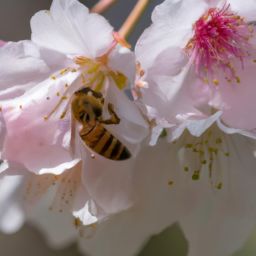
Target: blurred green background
{"type": "Point", "coordinates": [170, 242]}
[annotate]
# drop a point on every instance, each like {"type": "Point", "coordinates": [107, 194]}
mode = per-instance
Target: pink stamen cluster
{"type": "Point", "coordinates": [220, 36]}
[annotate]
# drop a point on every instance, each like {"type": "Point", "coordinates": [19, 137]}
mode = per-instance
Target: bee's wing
{"type": "Point", "coordinates": [73, 135]}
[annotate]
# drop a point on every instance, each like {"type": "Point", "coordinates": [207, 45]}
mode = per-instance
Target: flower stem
{"type": "Point", "coordinates": [102, 6]}
{"type": "Point", "coordinates": [133, 18]}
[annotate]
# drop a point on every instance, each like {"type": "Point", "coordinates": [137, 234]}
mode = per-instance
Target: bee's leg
{"type": "Point", "coordinates": [114, 119]}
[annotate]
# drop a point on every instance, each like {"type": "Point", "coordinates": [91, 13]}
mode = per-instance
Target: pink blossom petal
{"type": "Point", "coordinates": [46, 221]}
{"type": "Point", "coordinates": [22, 65]}
{"type": "Point", "coordinates": [171, 97]}
{"type": "Point", "coordinates": [109, 182]}
{"type": "Point", "coordinates": [237, 101]}
{"type": "Point", "coordinates": [132, 128]}
{"type": "Point", "coordinates": [178, 14]}
{"type": "Point", "coordinates": [2, 43]}
{"type": "Point", "coordinates": [152, 212]}
{"type": "Point", "coordinates": [224, 219]}
{"type": "Point", "coordinates": [43, 138]}
{"type": "Point", "coordinates": [123, 60]}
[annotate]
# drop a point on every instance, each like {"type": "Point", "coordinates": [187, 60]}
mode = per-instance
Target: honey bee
{"type": "Point", "coordinates": [87, 109]}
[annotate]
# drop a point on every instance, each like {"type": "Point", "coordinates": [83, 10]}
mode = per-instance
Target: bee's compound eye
{"type": "Point", "coordinates": [98, 112]}
{"type": "Point", "coordinates": [87, 117]}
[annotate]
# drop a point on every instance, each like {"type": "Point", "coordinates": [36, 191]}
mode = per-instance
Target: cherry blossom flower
{"type": "Point", "coordinates": [210, 65]}
{"type": "Point", "coordinates": [195, 83]}
{"type": "Point", "coordinates": [70, 49]}
{"type": "Point", "coordinates": [160, 203]}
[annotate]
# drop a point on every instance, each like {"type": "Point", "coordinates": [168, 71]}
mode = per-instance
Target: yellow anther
{"type": "Point", "coordinates": [218, 141]}
{"type": "Point", "coordinates": [219, 186]}
{"type": "Point", "coordinates": [238, 80]}
{"type": "Point", "coordinates": [64, 71]}
{"type": "Point", "coordinates": [77, 222]}
{"type": "Point", "coordinates": [119, 78]}
{"type": "Point", "coordinates": [189, 145]}
{"type": "Point", "coordinates": [216, 82]}
{"type": "Point", "coordinates": [170, 182]}
{"type": "Point", "coordinates": [94, 68]}
{"type": "Point", "coordinates": [196, 175]}
{"type": "Point", "coordinates": [186, 169]}
{"type": "Point", "coordinates": [227, 154]}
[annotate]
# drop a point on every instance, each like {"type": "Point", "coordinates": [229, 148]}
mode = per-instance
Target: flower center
{"type": "Point", "coordinates": [220, 38]}
{"type": "Point", "coordinates": [203, 156]}
{"type": "Point", "coordinates": [95, 72]}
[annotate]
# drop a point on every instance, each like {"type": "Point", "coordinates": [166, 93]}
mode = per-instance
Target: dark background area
{"type": "Point", "coordinates": [15, 16]}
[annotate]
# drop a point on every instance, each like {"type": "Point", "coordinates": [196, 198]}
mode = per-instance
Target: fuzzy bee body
{"type": "Point", "coordinates": [87, 108]}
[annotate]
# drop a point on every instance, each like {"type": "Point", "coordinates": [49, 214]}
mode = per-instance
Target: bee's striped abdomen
{"type": "Point", "coordinates": [104, 143]}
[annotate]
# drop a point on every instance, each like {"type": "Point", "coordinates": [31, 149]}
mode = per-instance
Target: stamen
{"type": "Point", "coordinates": [101, 81]}
{"type": "Point", "coordinates": [170, 183]}
{"type": "Point", "coordinates": [62, 99]}
{"type": "Point", "coordinates": [205, 150]}
{"type": "Point", "coordinates": [220, 38]}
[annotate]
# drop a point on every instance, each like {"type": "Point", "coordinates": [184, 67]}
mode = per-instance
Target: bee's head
{"type": "Point", "coordinates": [90, 92]}
{"type": "Point", "coordinates": [85, 106]}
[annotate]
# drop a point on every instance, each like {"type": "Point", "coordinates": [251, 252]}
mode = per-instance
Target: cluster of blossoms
{"type": "Point", "coordinates": [187, 130]}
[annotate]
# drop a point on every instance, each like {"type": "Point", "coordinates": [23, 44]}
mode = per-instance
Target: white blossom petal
{"type": "Point", "coordinates": [125, 233]}
{"type": "Point", "coordinates": [69, 28]}
{"type": "Point", "coordinates": [12, 212]}
{"type": "Point", "coordinates": [58, 228]}
{"type": "Point", "coordinates": [246, 9]}
{"type": "Point", "coordinates": [225, 218]}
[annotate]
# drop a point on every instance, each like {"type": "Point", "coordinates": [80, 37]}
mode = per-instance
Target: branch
{"type": "Point", "coordinates": [133, 18]}
{"type": "Point", "coordinates": [102, 6]}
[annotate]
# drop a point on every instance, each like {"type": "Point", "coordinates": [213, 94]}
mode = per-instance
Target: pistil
{"type": "Point", "coordinates": [220, 38]}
